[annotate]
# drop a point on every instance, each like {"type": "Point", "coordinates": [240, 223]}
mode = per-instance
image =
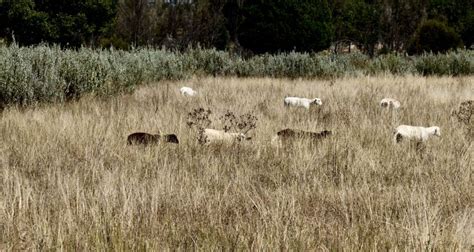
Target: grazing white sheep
{"type": "Point", "coordinates": [214, 136]}
{"type": "Point", "coordinates": [415, 133]}
{"type": "Point", "coordinates": [302, 102]}
{"type": "Point", "coordinates": [187, 91]}
{"type": "Point", "coordinates": [390, 103]}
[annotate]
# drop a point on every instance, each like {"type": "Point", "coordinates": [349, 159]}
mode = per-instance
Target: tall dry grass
{"type": "Point", "coordinates": [69, 181]}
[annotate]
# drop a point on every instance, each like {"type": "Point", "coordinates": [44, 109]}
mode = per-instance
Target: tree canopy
{"type": "Point", "coordinates": [257, 26]}
{"type": "Point", "coordinates": [281, 25]}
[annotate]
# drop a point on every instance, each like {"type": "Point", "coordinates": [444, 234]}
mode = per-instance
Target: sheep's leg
{"type": "Point", "coordinates": [420, 148]}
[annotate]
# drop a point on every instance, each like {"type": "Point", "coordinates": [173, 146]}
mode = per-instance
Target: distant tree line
{"type": "Point", "coordinates": [243, 26]}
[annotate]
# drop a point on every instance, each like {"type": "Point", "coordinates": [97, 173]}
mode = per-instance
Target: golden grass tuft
{"type": "Point", "coordinates": [69, 181]}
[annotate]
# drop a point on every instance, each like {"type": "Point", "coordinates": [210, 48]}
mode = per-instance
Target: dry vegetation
{"type": "Point", "coordinates": [69, 181]}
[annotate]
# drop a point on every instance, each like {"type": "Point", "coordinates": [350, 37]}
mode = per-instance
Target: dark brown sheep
{"type": "Point", "coordinates": [287, 137]}
{"type": "Point", "coordinates": [145, 138]}
{"type": "Point", "coordinates": [294, 133]}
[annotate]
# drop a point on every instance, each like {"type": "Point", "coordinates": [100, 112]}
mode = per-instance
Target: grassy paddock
{"type": "Point", "coordinates": [68, 180]}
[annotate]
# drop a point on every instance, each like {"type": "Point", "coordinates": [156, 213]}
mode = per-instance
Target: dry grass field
{"type": "Point", "coordinates": [69, 181]}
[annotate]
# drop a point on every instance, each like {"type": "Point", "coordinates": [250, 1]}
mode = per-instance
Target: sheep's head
{"type": "Point", "coordinates": [317, 101]}
{"type": "Point", "coordinates": [172, 138]}
{"type": "Point", "coordinates": [436, 131]}
{"type": "Point", "coordinates": [384, 104]}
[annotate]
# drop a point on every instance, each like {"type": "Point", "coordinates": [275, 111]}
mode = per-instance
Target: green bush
{"type": "Point", "coordinates": [391, 63]}
{"type": "Point", "coordinates": [446, 64]}
{"type": "Point", "coordinates": [51, 74]}
{"type": "Point", "coordinates": [434, 36]}
{"type": "Point", "coordinates": [115, 42]}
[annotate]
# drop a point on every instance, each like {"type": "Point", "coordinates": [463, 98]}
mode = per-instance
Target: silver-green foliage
{"type": "Point", "coordinates": [52, 74]}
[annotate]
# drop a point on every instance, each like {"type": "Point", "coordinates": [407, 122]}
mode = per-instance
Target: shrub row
{"type": "Point", "coordinates": [51, 74]}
